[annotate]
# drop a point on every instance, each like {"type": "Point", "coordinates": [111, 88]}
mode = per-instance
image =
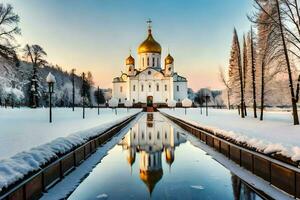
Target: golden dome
{"type": "Point", "coordinates": [169, 59]}
{"type": "Point", "coordinates": [151, 178]}
{"type": "Point", "coordinates": [169, 156]}
{"type": "Point", "coordinates": [130, 60]}
{"type": "Point", "coordinates": [149, 45]}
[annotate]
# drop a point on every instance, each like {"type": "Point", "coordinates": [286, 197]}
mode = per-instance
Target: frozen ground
{"type": "Point", "coordinates": [45, 141]}
{"type": "Point", "coordinates": [275, 134]}
{"type": "Point", "coordinates": [21, 129]}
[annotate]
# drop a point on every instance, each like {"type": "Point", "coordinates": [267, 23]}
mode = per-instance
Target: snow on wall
{"type": "Point", "coordinates": [254, 134]}
{"type": "Point", "coordinates": [16, 167]}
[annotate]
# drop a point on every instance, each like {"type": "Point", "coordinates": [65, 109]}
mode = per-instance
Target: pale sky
{"type": "Point", "coordinates": [96, 35]}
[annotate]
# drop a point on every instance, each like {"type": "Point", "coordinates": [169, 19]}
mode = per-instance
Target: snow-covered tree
{"type": "Point", "coordinates": [35, 54]}
{"type": "Point", "coordinates": [235, 73]}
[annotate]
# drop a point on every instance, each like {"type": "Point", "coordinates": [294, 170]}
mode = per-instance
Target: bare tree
{"type": "Point", "coordinates": [235, 72]}
{"type": "Point", "coordinates": [8, 30]}
{"type": "Point", "coordinates": [253, 70]}
{"type": "Point", "coordinates": [245, 70]}
{"type": "Point", "coordinates": [287, 12]}
{"type": "Point", "coordinates": [226, 83]}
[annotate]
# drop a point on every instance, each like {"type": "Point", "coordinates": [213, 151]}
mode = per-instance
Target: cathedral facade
{"type": "Point", "coordinates": [147, 79]}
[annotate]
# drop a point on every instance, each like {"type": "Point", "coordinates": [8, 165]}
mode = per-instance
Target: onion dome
{"type": "Point", "coordinates": [169, 156]}
{"type": "Point", "coordinates": [130, 60]}
{"type": "Point", "coordinates": [151, 178]}
{"type": "Point", "coordinates": [149, 45]}
{"type": "Point", "coordinates": [169, 60]}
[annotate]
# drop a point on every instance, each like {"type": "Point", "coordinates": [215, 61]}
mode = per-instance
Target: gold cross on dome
{"type": "Point", "coordinates": [149, 23]}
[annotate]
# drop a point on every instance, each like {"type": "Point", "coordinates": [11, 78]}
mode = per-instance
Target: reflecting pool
{"type": "Point", "coordinates": [155, 161]}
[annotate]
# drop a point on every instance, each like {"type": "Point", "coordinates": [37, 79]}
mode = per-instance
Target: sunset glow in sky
{"type": "Point", "coordinates": [96, 35]}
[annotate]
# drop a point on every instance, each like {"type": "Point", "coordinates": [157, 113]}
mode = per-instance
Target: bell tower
{"type": "Point", "coordinates": [130, 65]}
{"type": "Point", "coordinates": [169, 65]}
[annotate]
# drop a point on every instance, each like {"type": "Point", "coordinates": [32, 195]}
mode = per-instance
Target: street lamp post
{"type": "Point", "coordinates": [83, 95]}
{"type": "Point", "coordinates": [50, 80]}
{"type": "Point", "coordinates": [206, 99]}
{"type": "Point", "coordinates": [98, 100]}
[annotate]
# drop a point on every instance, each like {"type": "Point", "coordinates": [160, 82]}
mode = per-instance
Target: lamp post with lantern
{"type": "Point", "coordinates": [50, 80]}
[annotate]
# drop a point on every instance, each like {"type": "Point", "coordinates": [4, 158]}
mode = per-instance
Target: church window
{"type": "Point", "coordinates": [133, 100]}
{"type": "Point", "coordinates": [143, 62]}
{"type": "Point", "coordinates": [120, 100]}
{"type": "Point", "coordinates": [157, 87]}
{"type": "Point", "coordinates": [121, 89]}
{"type": "Point", "coordinates": [149, 87]}
{"type": "Point", "coordinates": [165, 135]}
{"type": "Point", "coordinates": [158, 135]}
{"type": "Point", "coordinates": [149, 136]}
{"type": "Point", "coordinates": [142, 88]}
{"type": "Point", "coordinates": [157, 62]}
{"type": "Point", "coordinates": [153, 61]}
{"type": "Point", "coordinates": [169, 68]}
{"type": "Point", "coordinates": [134, 88]}
{"type": "Point", "coordinates": [142, 135]}
{"type": "Point", "coordinates": [166, 87]}
{"type": "Point", "coordinates": [177, 88]}
{"type": "Point", "coordinates": [149, 72]}
{"type": "Point", "coordinates": [148, 61]}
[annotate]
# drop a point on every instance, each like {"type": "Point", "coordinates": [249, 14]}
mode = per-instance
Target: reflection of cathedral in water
{"type": "Point", "coordinates": [150, 137]}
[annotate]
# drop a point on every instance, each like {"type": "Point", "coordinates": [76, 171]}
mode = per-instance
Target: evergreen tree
{"type": "Point", "coordinates": [35, 54]}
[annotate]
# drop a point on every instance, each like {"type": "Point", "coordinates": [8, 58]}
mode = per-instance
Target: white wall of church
{"type": "Point", "coordinates": [150, 83]}
{"type": "Point", "coordinates": [120, 91]}
{"type": "Point", "coordinates": [180, 90]}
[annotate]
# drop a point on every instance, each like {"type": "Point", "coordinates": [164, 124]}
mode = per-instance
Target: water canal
{"type": "Point", "coordinates": [155, 160]}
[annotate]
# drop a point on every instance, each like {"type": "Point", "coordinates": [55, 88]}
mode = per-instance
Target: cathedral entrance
{"type": "Point", "coordinates": [150, 104]}
{"type": "Point", "coordinates": [149, 101]}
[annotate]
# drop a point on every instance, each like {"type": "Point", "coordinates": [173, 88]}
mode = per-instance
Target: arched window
{"type": "Point", "coordinates": [153, 62]}
{"type": "Point", "coordinates": [157, 62]}
{"type": "Point", "coordinates": [142, 88]}
{"type": "Point", "coordinates": [148, 62]}
{"type": "Point", "coordinates": [143, 62]}
{"type": "Point", "coordinates": [150, 87]}
{"type": "Point", "coordinates": [177, 88]}
{"type": "Point", "coordinates": [166, 87]}
{"type": "Point", "coordinates": [134, 88]}
{"type": "Point", "coordinates": [157, 87]}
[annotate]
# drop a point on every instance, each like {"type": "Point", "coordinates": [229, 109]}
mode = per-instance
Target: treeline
{"type": "Point", "coordinates": [23, 72]}
{"type": "Point", "coordinates": [262, 67]}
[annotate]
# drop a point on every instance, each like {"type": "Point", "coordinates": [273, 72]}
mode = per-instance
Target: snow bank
{"type": "Point", "coordinates": [266, 137]}
{"type": "Point", "coordinates": [113, 103]}
{"type": "Point", "coordinates": [16, 167]}
{"type": "Point", "coordinates": [171, 103]}
{"type": "Point", "coordinates": [128, 103]}
{"type": "Point", "coordinates": [187, 103]}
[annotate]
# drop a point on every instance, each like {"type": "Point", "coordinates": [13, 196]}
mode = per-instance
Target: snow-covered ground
{"type": "Point", "coordinates": [44, 142]}
{"type": "Point", "coordinates": [22, 129]}
{"type": "Point", "coordinates": [275, 134]}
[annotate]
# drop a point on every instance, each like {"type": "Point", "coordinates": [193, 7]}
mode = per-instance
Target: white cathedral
{"type": "Point", "coordinates": [148, 80]}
